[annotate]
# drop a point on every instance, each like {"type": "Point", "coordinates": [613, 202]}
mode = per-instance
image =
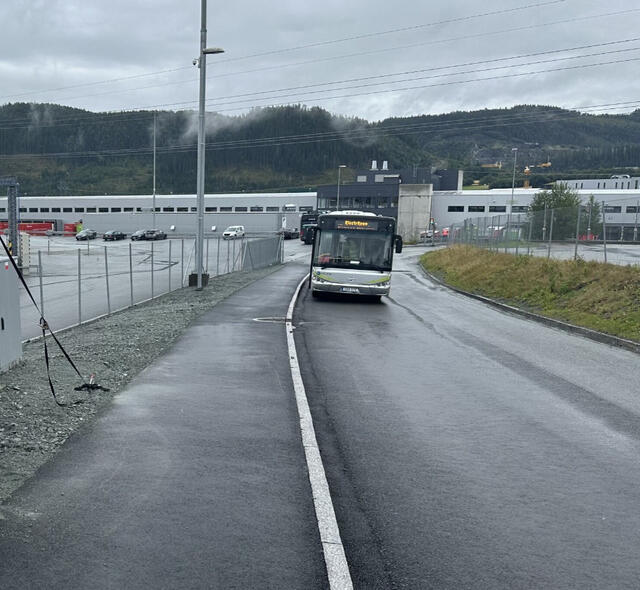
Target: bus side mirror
{"type": "Point", "coordinates": [398, 244]}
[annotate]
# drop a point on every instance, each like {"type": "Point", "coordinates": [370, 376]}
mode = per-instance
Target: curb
{"type": "Point", "coordinates": [601, 337]}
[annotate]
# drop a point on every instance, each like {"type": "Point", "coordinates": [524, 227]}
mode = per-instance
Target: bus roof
{"type": "Point", "coordinates": [349, 213]}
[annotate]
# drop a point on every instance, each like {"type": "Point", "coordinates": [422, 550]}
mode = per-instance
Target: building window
{"type": "Point", "coordinates": [476, 208]}
{"type": "Point", "coordinates": [3, 209]}
{"type": "Point", "coordinates": [256, 209]}
{"type": "Point", "coordinates": [361, 179]}
{"type": "Point", "coordinates": [289, 208]}
{"type": "Point", "coordinates": [168, 209]}
{"type": "Point", "coordinates": [455, 208]}
{"type": "Point", "coordinates": [241, 209]}
{"type": "Point", "coordinates": [182, 209]}
{"type": "Point", "coordinates": [599, 185]}
{"type": "Point", "coordinates": [631, 209]}
{"type": "Point", "coordinates": [24, 209]}
{"type": "Point", "coordinates": [604, 185]}
{"type": "Point", "coordinates": [195, 209]}
{"type": "Point", "coordinates": [138, 209]}
{"type": "Point", "coordinates": [101, 210]}
{"type": "Point", "coordinates": [273, 208]}
{"type": "Point", "coordinates": [79, 209]}
{"type": "Point", "coordinates": [55, 209]}
{"type": "Point", "coordinates": [497, 208]}
{"type": "Point", "coordinates": [226, 208]}
{"type": "Point", "coordinates": [519, 208]}
{"type": "Point", "coordinates": [616, 185]}
{"type": "Point", "coordinates": [128, 209]}
{"type": "Point", "coordinates": [612, 209]}
{"type": "Point", "coordinates": [91, 209]}
{"type": "Point", "coordinates": [212, 209]}
{"type": "Point", "coordinates": [116, 209]}
{"type": "Point", "coordinates": [301, 208]}
{"type": "Point", "coordinates": [33, 209]}
{"type": "Point", "coordinates": [44, 209]}
{"type": "Point", "coordinates": [582, 185]}
{"type": "Point", "coordinates": [64, 210]}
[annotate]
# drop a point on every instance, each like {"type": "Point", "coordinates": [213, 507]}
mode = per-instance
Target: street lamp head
{"type": "Point", "coordinates": [342, 166]}
{"type": "Point", "coordinates": [212, 50]}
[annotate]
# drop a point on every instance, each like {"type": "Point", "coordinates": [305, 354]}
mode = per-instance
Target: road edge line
{"type": "Point", "coordinates": [334, 555]}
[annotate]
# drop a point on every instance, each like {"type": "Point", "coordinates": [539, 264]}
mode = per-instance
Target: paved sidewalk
{"type": "Point", "coordinates": [194, 478]}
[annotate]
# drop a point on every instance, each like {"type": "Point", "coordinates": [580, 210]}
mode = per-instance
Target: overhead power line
{"type": "Point", "coordinates": [398, 30]}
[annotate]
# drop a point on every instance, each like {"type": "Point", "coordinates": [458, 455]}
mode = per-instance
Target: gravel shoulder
{"type": "Point", "coordinates": [116, 348]}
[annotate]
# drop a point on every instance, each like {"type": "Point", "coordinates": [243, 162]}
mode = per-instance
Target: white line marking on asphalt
{"type": "Point", "coordinates": [334, 556]}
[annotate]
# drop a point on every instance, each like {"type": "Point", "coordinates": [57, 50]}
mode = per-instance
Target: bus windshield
{"type": "Point", "coordinates": [352, 249]}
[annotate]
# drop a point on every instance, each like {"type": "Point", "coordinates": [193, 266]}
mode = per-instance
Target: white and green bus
{"type": "Point", "coordinates": [353, 253]}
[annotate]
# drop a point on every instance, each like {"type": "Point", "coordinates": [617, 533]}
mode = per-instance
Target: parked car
{"type": "Point", "coordinates": [155, 234]}
{"type": "Point", "coordinates": [289, 234]}
{"type": "Point", "coordinates": [87, 234]}
{"type": "Point", "coordinates": [148, 234]}
{"type": "Point", "coordinates": [113, 235]}
{"type": "Point", "coordinates": [232, 232]}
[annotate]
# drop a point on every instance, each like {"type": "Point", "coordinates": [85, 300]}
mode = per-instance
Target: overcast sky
{"type": "Point", "coordinates": [364, 58]}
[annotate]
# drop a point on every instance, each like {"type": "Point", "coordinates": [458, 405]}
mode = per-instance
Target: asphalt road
{"type": "Point", "coordinates": [467, 448]}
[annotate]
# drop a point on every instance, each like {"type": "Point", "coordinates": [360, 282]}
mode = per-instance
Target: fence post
{"type": "Point", "coordinates": [106, 277]}
{"type": "Point", "coordinates": [550, 235]}
{"type": "Point", "coordinates": [604, 230]}
{"type": "Point", "coordinates": [218, 257]}
{"type": "Point", "coordinates": [79, 289]}
{"type": "Point", "coordinates": [169, 266]}
{"type": "Point", "coordinates": [575, 252]}
{"type": "Point", "coordinates": [131, 274]}
{"type": "Point", "coordinates": [41, 289]}
{"type": "Point", "coordinates": [152, 270]}
{"type": "Point", "coordinates": [544, 224]}
{"type": "Point", "coordinates": [206, 263]}
{"type": "Point", "coordinates": [233, 257]}
{"type": "Point", "coordinates": [182, 263]}
{"type": "Point", "coordinates": [227, 255]}
{"type": "Point", "coordinates": [518, 236]}
{"type": "Point", "coordinates": [530, 228]}
{"type": "Point", "coordinates": [48, 247]}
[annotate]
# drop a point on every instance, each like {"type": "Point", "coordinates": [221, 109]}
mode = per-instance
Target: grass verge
{"type": "Point", "coordinates": [602, 297]}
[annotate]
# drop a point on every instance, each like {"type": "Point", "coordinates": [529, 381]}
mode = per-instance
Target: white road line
{"type": "Point", "coordinates": [334, 556]}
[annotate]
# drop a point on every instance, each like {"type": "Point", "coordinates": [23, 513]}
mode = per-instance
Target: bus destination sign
{"type": "Point", "coordinates": [357, 224]}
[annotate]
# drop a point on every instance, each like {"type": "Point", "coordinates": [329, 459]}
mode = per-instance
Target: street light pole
{"type": "Point", "coordinates": [513, 186]}
{"type": "Point", "coordinates": [338, 193]}
{"type": "Point", "coordinates": [202, 65]}
{"type": "Point", "coordinates": [154, 171]}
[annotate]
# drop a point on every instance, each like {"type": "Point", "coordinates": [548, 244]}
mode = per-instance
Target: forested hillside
{"type": "Point", "coordinates": [57, 150]}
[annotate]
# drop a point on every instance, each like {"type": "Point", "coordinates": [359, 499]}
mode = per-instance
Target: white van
{"type": "Point", "coordinates": [233, 232]}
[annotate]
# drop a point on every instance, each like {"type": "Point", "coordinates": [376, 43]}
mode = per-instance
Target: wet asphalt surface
{"type": "Point", "coordinates": [467, 448]}
{"type": "Point", "coordinates": [464, 447]}
{"type": "Point", "coordinates": [194, 478]}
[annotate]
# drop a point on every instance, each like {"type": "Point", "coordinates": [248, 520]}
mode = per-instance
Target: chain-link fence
{"type": "Point", "coordinates": [593, 230]}
{"type": "Point", "coordinates": [75, 283]}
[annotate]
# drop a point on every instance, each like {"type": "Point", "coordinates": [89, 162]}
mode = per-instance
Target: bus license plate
{"type": "Point", "coordinates": [350, 290]}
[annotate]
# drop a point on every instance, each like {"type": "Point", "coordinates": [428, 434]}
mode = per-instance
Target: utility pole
{"type": "Point", "coordinates": [12, 197]}
{"type": "Point", "coordinates": [202, 65]}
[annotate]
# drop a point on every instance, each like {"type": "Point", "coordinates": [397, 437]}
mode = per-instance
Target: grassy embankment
{"type": "Point", "coordinates": [603, 297]}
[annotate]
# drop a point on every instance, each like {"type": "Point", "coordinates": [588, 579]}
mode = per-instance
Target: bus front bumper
{"type": "Point", "coordinates": [350, 289]}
